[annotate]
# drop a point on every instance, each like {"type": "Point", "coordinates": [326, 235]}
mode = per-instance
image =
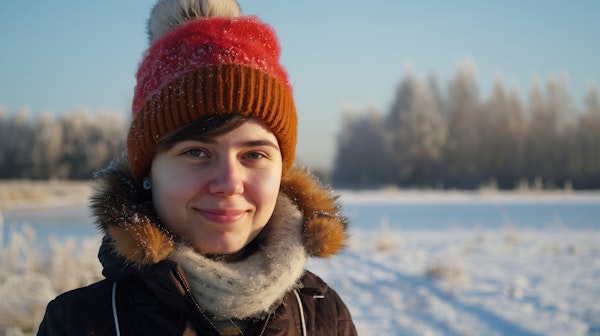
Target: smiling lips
{"type": "Point", "coordinates": [222, 216]}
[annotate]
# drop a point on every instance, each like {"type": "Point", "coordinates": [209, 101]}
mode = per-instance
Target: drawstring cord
{"type": "Point", "coordinates": [114, 308]}
{"type": "Point", "coordinates": [301, 312]}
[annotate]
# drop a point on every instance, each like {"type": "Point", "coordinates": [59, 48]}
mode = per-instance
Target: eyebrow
{"type": "Point", "coordinates": [259, 143]}
{"type": "Point", "coordinates": [248, 143]}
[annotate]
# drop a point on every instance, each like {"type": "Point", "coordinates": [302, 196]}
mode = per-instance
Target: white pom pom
{"type": "Point", "coordinates": [168, 14]}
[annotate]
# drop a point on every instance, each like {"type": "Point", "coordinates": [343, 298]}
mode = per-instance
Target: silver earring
{"type": "Point", "coordinates": [147, 184]}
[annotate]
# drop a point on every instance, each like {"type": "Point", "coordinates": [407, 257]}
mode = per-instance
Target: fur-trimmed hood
{"type": "Point", "coordinates": [125, 214]}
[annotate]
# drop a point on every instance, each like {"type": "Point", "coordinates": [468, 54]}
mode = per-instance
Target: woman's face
{"type": "Point", "coordinates": [218, 195]}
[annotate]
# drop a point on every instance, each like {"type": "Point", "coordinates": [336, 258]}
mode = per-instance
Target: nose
{"type": "Point", "coordinates": [227, 179]}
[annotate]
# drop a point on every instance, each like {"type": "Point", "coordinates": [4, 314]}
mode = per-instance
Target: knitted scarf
{"type": "Point", "coordinates": [252, 287]}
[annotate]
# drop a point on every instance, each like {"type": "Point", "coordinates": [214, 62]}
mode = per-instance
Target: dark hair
{"type": "Point", "coordinates": [203, 129]}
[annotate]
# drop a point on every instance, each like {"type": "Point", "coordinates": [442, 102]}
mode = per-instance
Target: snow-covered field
{"type": "Point", "coordinates": [470, 283]}
{"type": "Point", "coordinates": [469, 280]}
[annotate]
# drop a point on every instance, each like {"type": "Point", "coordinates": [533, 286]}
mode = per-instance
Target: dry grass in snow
{"type": "Point", "coordinates": [32, 273]}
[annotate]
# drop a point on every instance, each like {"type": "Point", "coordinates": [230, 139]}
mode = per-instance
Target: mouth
{"type": "Point", "coordinates": [222, 216]}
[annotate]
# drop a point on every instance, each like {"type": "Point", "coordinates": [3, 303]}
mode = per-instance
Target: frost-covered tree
{"type": "Point", "coordinates": [539, 126]}
{"type": "Point", "coordinates": [394, 127]}
{"type": "Point", "coordinates": [589, 140]}
{"type": "Point", "coordinates": [16, 141]}
{"type": "Point", "coordinates": [113, 129]}
{"type": "Point", "coordinates": [105, 139]}
{"type": "Point", "coordinates": [3, 139]}
{"type": "Point", "coordinates": [46, 152]}
{"type": "Point", "coordinates": [516, 130]}
{"type": "Point", "coordinates": [501, 146]}
{"type": "Point", "coordinates": [463, 116]}
{"type": "Point", "coordinates": [362, 158]}
{"type": "Point", "coordinates": [546, 146]}
{"type": "Point", "coordinates": [69, 148]}
{"type": "Point", "coordinates": [89, 143]}
{"type": "Point", "coordinates": [559, 105]}
{"type": "Point", "coordinates": [418, 133]}
{"type": "Point", "coordinates": [75, 140]}
{"type": "Point", "coordinates": [458, 140]}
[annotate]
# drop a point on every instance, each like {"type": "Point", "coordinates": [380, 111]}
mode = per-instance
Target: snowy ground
{"type": "Point", "coordinates": [505, 281]}
{"type": "Point", "coordinates": [470, 283]}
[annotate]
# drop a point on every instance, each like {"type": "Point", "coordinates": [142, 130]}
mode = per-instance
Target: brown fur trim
{"type": "Point", "coordinates": [324, 228]}
{"type": "Point", "coordinates": [324, 236]}
{"type": "Point", "coordinates": [142, 244]}
{"type": "Point", "coordinates": [124, 212]}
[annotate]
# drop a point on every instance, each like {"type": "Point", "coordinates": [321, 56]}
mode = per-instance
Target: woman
{"type": "Point", "coordinates": [207, 227]}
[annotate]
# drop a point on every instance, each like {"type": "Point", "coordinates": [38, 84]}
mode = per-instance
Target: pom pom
{"type": "Point", "coordinates": [168, 14]}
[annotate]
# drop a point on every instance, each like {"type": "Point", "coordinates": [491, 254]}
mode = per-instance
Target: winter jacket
{"type": "Point", "coordinates": [154, 285]}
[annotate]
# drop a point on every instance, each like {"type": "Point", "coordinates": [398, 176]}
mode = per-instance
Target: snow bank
{"type": "Point", "coordinates": [17, 194]}
{"type": "Point", "coordinates": [413, 196]}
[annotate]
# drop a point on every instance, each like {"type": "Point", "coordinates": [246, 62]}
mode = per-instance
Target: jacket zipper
{"type": "Point", "coordinates": [188, 293]}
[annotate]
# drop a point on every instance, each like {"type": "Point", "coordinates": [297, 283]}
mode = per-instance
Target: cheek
{"type": "Point", "coordinates": [268, 189]}
{"type": "Point", "coordinates": [171, 190]}
{"type": "Point", "coordinates": [170, 178]}
{"type": "Point", "coordinates": [165, 201]}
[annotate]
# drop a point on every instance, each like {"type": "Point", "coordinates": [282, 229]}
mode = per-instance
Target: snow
{"type": "Point", "coordinates": [469, 283]}
{"type": "Point", "coordinates": [396, 280]}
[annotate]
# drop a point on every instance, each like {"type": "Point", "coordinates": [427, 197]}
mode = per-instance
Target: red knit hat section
{"type": "Point", "coordinates": [199, 43]}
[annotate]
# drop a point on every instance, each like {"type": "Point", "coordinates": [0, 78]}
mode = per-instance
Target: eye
{"type": "Point", "coordinates": [196, 153]}
{"type": "Point", "coordinates": [254, 155]}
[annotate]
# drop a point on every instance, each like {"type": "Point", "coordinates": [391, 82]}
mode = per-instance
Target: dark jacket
{"type": "Point", "coordinates": [148, 294]}
{"type": "Point", "coordinates": [158, 304]}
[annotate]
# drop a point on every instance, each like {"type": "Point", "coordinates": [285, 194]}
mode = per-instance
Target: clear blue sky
{"type": "Point", "coordinates": [60, 55]}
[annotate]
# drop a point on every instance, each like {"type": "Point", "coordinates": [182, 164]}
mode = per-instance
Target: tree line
{"type": "Point", "coordinates": [428, 138]}
{"type": "Point", "coordinates": [453, 138]}
{"type": "Point", "coordinates": [71, 147]}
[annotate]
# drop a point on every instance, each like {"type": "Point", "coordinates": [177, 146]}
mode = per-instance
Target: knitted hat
{"type": "Point", "coordinates": [205, 59]}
